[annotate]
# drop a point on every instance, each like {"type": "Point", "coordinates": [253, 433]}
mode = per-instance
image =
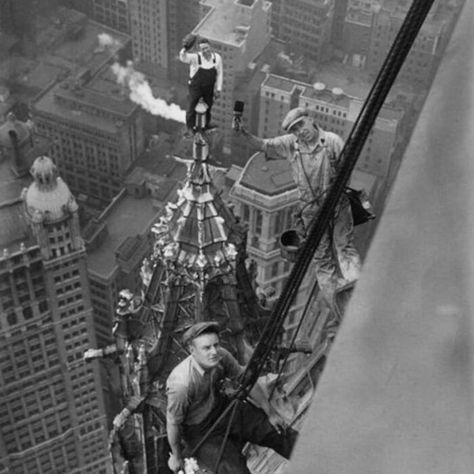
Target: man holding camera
{"type": "Point", "coordinates": [313, 155]}
{"type": "Point", "coordinates": [205, 77]}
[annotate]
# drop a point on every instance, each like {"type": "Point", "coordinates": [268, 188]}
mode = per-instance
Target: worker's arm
{"type": "Point", "coordinates": [176, 409]}
{"type": "Point", "coordinates": [277, 148]}
{"type": "Point", "coordinates": [176, 461]}
{"type": "Point", "coordinates": [255, 142]}
{"type": "Point", "coordinates": [187, 57]}
{"type": "Point", "coordinates": [220, 73]}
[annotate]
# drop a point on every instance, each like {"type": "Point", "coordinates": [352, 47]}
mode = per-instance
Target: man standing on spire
{"type": "Point", "coordinates": [205, 77]}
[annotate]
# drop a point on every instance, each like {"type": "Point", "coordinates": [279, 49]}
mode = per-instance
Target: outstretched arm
{"type": "Point", "coordinates": [277, 148]}
{"type": "Point", "coordinates": [255, 141]}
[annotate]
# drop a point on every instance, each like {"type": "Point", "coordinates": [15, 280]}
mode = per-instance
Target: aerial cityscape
{"type": "Point", "coordinates": [149, 177]}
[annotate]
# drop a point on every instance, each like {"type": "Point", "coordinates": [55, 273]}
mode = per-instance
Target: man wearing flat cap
{"type": "Point", "coordinates": [195, 402]}
{"type": "Point", "coordinates": [313, 155]}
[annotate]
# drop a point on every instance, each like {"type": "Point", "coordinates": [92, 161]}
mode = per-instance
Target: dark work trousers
{"type": "Point", "coordinates": [201, 85]}
{"type": "Point", "coordinates": [250, 424]}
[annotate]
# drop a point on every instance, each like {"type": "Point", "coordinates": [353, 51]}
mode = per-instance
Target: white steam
{"type": "Point", "coordinates": [140, 90]}
{"type": "Point", "coordinates": [141, 93]}
{"type": "Point", "coordinates": [107, 41]}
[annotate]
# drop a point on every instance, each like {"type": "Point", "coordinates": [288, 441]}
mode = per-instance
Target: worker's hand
{"type": "Point", "coordinates": [175, 464]}
{"type": "Point", "coordinates": [241, 130]}
{"type": "Point", "coordinates": [277, 422]}
{"type": "Point", "coordinates": [188, 41]}
{"type": "Point", "coordinates": [217, 94]}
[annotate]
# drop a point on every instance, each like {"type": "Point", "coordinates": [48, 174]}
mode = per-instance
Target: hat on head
{"type": "Point", "coordinates": [293, 117]}
{"type": "Point", "coordinates": [200, 328]}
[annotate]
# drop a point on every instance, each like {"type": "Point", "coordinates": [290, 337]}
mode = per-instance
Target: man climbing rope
{"type": "Point", "coordinates": [313, 155]}
{"type": "Point", "coordinates": [205, 77]}
{"type": "Point", "coordinates": [195, 403]}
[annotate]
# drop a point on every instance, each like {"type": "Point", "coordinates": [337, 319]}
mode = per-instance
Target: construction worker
{"type": "Point", "coordinates": [205, 77]}
{"type": "Point", "coordinates": [313, 155]}
{"type": "Point", "coordinates": [195, 403]}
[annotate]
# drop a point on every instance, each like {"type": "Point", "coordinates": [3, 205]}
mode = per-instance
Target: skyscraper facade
{"type": "Point", "coordinates": [306, 26]}
{"type": "Point", "coordinates": [113, 13]}
{"type": "Point", "coordinates": [52, 408]}
{"type": "Point", "coordinates": [148, 28]}
{"type": "Point", "coordinates": [97, 132]}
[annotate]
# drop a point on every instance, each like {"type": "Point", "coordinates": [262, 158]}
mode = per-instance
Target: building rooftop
{"type": "Point", "coordinates": [68, 101]}
{"type": "Point", "coordinates": [335, 96]}
{"type": "Point", "coordinates": [225, 21]}
{"type": "Point", "coordinates": [356, 82]}
{"type": "Point", "coordinates": [355, 15]}
{"type": "Point", "coordinates": [126, 217]}
{"type": "Point", "coordinates": [281, 83]}
{"type": "Point", "coordinates": [270, 177]}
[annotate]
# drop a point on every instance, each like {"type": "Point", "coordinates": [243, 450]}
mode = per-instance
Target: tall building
{"type": "Point", "coordinates": [277, 96]}
{"type": "Point", "coordinates": [306, 26]}
{"type": "Point", "coordinates": [52, 408]}
{"type": "Point", "coordinates": [182, 17]}
{"type": "Point", "coordinates": [6, 16]}
{"type": "Point", "coordinates": [426, 51]}
{"type": "Point", "coordinates": [266, 197]}
{"type": "Point", "coordinates": [148, 28]}
{"type": "Point", "coordinates": [337, 33]}
{"type": "Point", "coordinates": [97, 131]}
{"type": "Point", "coordinates": [113, 13]}
{"type": "Point", "coordinates": [239, 30]}
{"type": "Point", "coordinates": [357, 31]}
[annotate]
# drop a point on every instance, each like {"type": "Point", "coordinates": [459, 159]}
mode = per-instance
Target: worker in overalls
{"type": "Point", "coordinates": [205, 77]}
{"type": "Point", "coordinates": [313, 154]}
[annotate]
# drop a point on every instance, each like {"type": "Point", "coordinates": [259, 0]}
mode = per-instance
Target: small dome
{"type": "Point", "coordinates": [48, 194]}
{"type": "Point", "coordinates": [12, 125]}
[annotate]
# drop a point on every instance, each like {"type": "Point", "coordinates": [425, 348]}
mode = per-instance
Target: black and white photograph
{"type": "Point", "coordinates": [236, 236]}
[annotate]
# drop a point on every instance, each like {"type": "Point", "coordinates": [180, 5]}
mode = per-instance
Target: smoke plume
{"type": "Point", "coordinates": [141, 93]}
{"type": "Point", "coordinates": [107, 42]}
{"type": "Point", "coordinates": [140, 90]}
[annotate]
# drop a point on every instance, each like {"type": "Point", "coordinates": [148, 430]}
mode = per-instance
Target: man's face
{"type": "Point", "coordinates": [304, 130]}
{"type": "Point", "coordinates": [205, 49]}
{"type": "Point", "coordinates": [204, 349]}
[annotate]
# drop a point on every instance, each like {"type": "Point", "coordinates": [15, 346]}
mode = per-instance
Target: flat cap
{"type": "Point", "coordinates": [293, 117]}
{"type": "Point", "coordinates": [199, 328]}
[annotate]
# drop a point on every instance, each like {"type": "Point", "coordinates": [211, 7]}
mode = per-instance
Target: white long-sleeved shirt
{"type": "Point", "coordinates": [193, 61]}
